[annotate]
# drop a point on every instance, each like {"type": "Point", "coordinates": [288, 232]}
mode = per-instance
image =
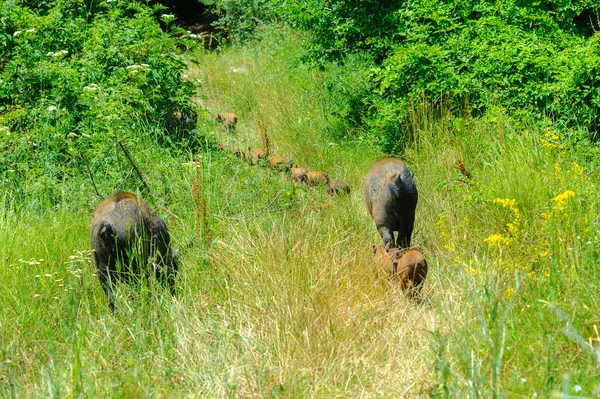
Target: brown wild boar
{"type": "Point", "coordinates": [315, 178]}
{"type": "Point", "coordinates": [229, 120]}
{"type": "Point", "coordinates": [391, 198]}
{"type": "Point", "coordinates": [183, 120]}
{"type": "Point", "coordinates": [386, 259]}
{"type": "Point", "coordinates": [257, 155]}
{"type": "Point", "coordinates": [337, 187]}
{"type": "Point", "coordinates": [280, 163]}
{"type": "Point", "coordinates": [298, 174]}
{"type": "Point", "coordinates": [130, 241]}
{"type": "Point", "coordinates": [411, 270]}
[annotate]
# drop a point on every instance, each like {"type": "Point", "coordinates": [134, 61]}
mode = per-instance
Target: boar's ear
{"type": "Point", "coordinates": [388, 246]}
{"type": "Point", "coordinates": [374, 248]}
{"type": "Point", "coordinates": [218, 118]}
{"type": "Point", "coordinates": [393, 176]}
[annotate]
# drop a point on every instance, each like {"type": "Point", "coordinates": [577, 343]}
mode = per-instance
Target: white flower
{"type": "Point", "coordinates": [145, 65]}
{"type": "Point", "coordinates": [133, 66]}
{"type": "Point", "coordinates": [17, 33]}
{"type": "Point", "coordinates": [30, 30]}
{"type": "Point", "coordinates": [52, 108]}
{"type": "Point", "coordinates": [91, 87]}
{"type": "Point", "coordinates": [577, 388]}
{"type": "Point", "coordinates": [523, 380]}
{"type": "Point", "coordinates": [193, 35]}
{"type": "Point", "coordinates": [57, 54]}
{"type": "Point", "coordinates": [168, 16]}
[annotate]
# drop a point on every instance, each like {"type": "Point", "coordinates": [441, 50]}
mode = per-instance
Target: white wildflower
{"type": "Point", "coordinates": [145, 65]}
{"type": "Point", "coordinates": [30, 30]}
{"type": "Point", "coordinates": [17, 33]}
{"type": "Point", "coordinates": [91, 87]}
{"type": "Point", "coordinates": [523, 380]}
{"type": "Point", "coordinates": [577, 388]}
{"type": "Point", "coordinates": [193, 35]}
{"type": "Point", "coordinates": [52, 108]}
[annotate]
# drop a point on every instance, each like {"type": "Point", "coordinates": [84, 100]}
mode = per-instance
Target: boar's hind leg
{"type": "Point", "coordinates": [405, 232]}
{"type": "Point", "coordinates": [106, 280]}
{"type": "Point", "coordinates": [387, 234]}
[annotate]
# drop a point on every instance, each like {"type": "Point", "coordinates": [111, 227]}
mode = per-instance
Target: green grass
{"type": "Point", "coordinates": [286, 301]}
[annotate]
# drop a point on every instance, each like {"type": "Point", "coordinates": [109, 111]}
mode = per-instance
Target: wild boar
{"type": "Point", "coordinates": [411, 270]}
{"type": "Point", "coordinates": [257, 155]}
{"type": "Point", "coordinates": [337, 187]}
{"type": "Point", "coordinates": [280, 163]}
{"type": "Point", "coordinates": [229, 120]}
{"type": "Point", "coordinates": [316, 178]}
{"type": "Point", "coordinates": [130, 241]}
{"type": "Point", "coordinates": [298, 174]}
{"type": "Point", "coordinates": [386, 258]}
{"type": "Point", "coordinates": [391, 198]}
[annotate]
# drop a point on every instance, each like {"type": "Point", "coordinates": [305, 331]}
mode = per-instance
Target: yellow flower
{"type": "Point", "coordinates": [497, 240]}
{"type": "Point", "coordinates": [576, 169]}
{"type": "Point", "coordinates": [561, 200]}
{"type": "Point", "coordinates": [509, 292]}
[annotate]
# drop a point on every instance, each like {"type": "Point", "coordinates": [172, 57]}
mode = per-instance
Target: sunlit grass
{"type": "Point", "coordinates": [286, 301]}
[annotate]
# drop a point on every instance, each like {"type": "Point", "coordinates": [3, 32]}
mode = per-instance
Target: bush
{"type": "Point", "coordinates": [72, 82]}
{"type": "Point", "coordinates": [534, 59]}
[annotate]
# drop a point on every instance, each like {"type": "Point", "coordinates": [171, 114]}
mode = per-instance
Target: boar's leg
{"type": "Point", "coordinates": [405, 232]}
{"type": "Point", "coordinates": [106, 279]}
{"type": "Point", "coordinates": [387, 234]}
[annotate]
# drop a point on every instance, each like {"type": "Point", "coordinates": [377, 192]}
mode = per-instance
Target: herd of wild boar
{"type": "Point", "coordinates": [130, 241]}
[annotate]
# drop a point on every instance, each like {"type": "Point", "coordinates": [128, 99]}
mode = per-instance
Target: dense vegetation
{"type": "Point", "coordinates": [537, 59]}
{"type": "Point", "coordinates": [278, 294]}
{"type": "Point", "coordinates": [74, 78]}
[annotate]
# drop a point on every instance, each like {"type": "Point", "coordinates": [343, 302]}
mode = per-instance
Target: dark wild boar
{"type": "Point", "coordinates": [316, 178]}
{"type": "Point", "coordinates": [337, 187]}
{"type": "Point", "coordinates": [391, 198]}
{"type": "Point", "coordinates": [130, 241]}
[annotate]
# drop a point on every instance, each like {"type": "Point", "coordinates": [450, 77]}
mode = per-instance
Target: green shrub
{"type": "Point", "coordinates": [534, 59]}
{"type": "Point", "coordinates": [71, 83]}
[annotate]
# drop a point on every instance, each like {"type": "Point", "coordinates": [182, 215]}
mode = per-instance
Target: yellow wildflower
{"type": "Point", "coordinates": [509, 292]}
{"type": "Point", "coordinates": [568, 194]}
{"type": "Point", "coordinates": [576, 169]}
{"type": "Point", "coordinates": [497, 240]}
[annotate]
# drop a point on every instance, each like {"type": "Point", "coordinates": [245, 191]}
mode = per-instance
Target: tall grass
{"type": "Point", "coordinates": [286, 300]}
